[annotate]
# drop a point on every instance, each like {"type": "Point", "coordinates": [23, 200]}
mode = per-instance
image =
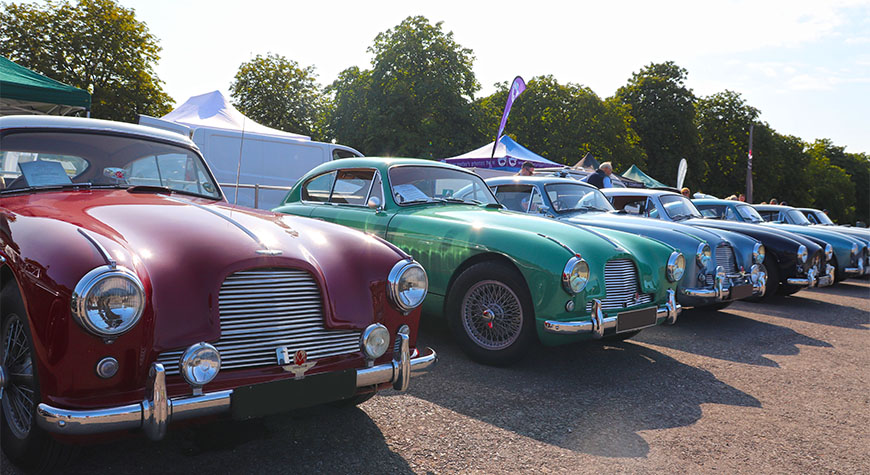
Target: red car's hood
{"type": "Point", "coordinates": [183, 248]}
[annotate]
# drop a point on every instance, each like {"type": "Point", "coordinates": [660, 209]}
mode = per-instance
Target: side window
{"type": "Point", "coordinates": [339, 154]}
{"type": "Point", "coordinates": [377, 189]}
{"type": "Point", "coordinates": [731, 215]}
{"type": "Point", "coordinates": [514, 197]}
{"type": "Point", "coordinates": [651, 209]}
{"type": "Point", "coordinates": [318, 188]}
{"type": "Point", "coordinates": [536, 203]}
{"type": "Point", "coordinates": [812, 217]}
{"type": "Point", "coordinates": [635, 206]}
{"type": "Point", "coordinates": [352, 187]}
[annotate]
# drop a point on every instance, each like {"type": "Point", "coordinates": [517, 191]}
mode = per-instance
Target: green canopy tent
{"type": "Point", "coordinates": [636, 174]}
{"type": "Point", "coordinates": [23, 91]}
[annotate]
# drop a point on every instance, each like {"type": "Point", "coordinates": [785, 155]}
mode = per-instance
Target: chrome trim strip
{"type": "Point", "coordinates": [154, 414]}
{"type": "Point", "coordinates": [102, 250]}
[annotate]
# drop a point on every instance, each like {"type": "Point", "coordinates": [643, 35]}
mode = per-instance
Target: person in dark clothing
{"type": "Point", "coordinates": [601, 177]}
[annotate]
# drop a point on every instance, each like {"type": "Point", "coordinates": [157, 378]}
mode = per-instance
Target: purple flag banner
{"type": "Point", "coordinates": [517, 88]}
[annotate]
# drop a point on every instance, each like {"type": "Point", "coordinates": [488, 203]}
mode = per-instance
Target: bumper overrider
{"type": "Point", "coordinates": [814, 280]}
{"type": "Point", "coordinates": [725, 284]}
{"type": "Point", "coordinates": [154, 414]}
{"type": "Point", "coordinates": [859, 269]}
{"type": "Point", "coordinates": [599, 323]}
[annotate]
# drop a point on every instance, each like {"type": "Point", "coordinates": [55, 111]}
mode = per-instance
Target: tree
{"type": "Point", "coordinates": [95, 45]}
{"type": "Point", "coordinates": [279, 93]}
{"type": "Point", "coordinates": [418, 94]}
{"type": "Point", "coordinates": [664, 111]}
{"type": "Point", "coordinates": [564, 122]}
{"type": "Point", "coordinates": [832, 187]}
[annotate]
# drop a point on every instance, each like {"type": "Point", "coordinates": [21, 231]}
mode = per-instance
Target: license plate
{"type": "Point", "coordinates": [285, 395]}
{"type": "Point", "coordinates": [627, 321]}
{"type": "Point", "coordinates": [741, 291]}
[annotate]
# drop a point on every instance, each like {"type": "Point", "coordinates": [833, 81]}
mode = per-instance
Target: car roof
{"type": "Point", "coordinates": [638, 191]}
{"type": "Point", "coordinates": [772, 207]}
{"type": "Point", "coordinates": [373, 162]}
{"type": "Point", "coordinates": [534, 179]}
{"type": "Point", "coordinates": [811, 210]}
{"type": "Point", "coordinates": [718, 201]}
{"type": "Point", "coordinates": [81, 123]}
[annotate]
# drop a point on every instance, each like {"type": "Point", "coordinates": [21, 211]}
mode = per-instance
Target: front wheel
{"type": "Point", "coordinates": [490, 313]}
{"type": "Point", "coordinates": [23, 441]}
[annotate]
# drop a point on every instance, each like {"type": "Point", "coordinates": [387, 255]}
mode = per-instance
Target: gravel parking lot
{"type": "Point", "coordinates": [776, 388]}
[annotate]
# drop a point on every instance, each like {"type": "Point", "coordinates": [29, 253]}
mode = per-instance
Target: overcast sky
{"type": "Point", "coordinates": [804, 64]}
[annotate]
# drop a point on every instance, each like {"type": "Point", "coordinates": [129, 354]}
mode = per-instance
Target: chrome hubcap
{"type": "Point", "coordinates": [18, 393]}
{"type": "Point", "coordinates": [492, 315]}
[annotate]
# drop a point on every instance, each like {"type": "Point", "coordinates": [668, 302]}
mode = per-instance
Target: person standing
{"type": "Point", "coordinates": [601, 177]}
{"type": "Point", "coordinates": [527, 169]}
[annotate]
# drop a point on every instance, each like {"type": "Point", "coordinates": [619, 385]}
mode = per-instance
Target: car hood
{"type": "Point", "coordinates": [655, 228]}
{"type": "Point", "coordinates": [183, 248]}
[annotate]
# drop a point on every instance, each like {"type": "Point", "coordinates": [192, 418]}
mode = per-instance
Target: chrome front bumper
{"type": "Point", "coordinates": [857, 270]}
{"type": "Point", "coordinates": [811, 280]}
{"type": "Point", "coordinates": [723, 283]}
{"type": "Point", "coordinates": [598, 323]}
{"type": "Point", "coordinates": [154, 414]}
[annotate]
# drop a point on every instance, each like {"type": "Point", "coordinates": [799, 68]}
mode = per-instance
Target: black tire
{"type": "Point", "coordinates": [621, 336]}
{"type": "Point", "coordinates": [23, 441]}
{"type": "Point", "coordinates": [490, 312]}
{"type": "Point", "coordinates": [772, 285]}
{"type": "Point", "coordinates": [353, 401]}
{"type": "Point", "coordinates": [839, 275]}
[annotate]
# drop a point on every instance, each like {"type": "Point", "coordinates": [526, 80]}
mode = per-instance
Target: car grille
{"type": "Point", "coordinates": [264, 309]}
{"type": "Point", "coordinates": [725, 258]}
{"type": "Point", "coordinates": [620, 286]}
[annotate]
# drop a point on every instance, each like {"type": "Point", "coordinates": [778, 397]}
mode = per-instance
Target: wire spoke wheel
{"type": "Point", "coordinates": [492, 315]}
{"type": "Point", "coordinates": [19, 394]}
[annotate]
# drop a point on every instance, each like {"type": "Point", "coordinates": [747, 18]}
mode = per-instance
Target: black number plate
{"type": "Point", "coordinates": [741, 291]}
{"type": "Point", "coordinates": [627, 321]}
{"type": "Point", "coordinates": [280, 396]}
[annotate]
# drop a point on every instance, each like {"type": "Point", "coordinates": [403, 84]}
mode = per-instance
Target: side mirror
{"type": "Point", "coordinates": [374, 203]}
{"type": "Point", "coordinates": [543, 209]}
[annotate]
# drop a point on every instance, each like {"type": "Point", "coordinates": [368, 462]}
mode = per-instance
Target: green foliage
{"type": "Point", "coordinates": [564, 122]}
{"type": "Point", "coordinates": [96, 45]}
{"type": "Point", "coordinates": [664, 112]}
{"type": "Point", "coordinates": [418, 95]}
{"type": "Point", "coordinates": [277, 92]}
{"type": "Point", "coordinates": [833, 186]}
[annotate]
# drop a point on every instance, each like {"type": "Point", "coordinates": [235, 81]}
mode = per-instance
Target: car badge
{"type": "Point", "coordinates": [298, 365]}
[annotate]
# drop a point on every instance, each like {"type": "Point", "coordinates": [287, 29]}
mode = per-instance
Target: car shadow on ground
{"type": "Point", "coordinates": [587, 397]}
{"type": "Point", "coordinates": [810, 306]}
{"type": "Point", "coordinates": [307, 441]}
{"type": "Point", "coordinates": [723, 335]}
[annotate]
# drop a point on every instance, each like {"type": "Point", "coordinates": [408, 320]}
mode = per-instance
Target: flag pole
{"type": "Point", "coordinates": [749, 168]}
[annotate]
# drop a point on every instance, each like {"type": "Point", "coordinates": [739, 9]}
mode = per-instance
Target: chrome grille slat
{"type": "Point", "coordinates": [264, 309]}
{"type": "Point", "coordinates": [620, 286]}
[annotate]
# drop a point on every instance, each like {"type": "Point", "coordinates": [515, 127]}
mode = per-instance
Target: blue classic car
{"type": "Point", "coordinates": [793, 262]}
{"type": "Point", "coordinates": [722, 270]}
{"type": "Point", "coordinates": [847, 255]}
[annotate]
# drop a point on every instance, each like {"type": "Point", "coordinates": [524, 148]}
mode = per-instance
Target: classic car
{"type": "Point", "coordinates": [847, 255]}
{"type": "Point", "coordinates": [820, 218]}
{"type": "Point", "coordinates": [135, 296]}
{"type": "Point", "coordinates": [791, 264]}
{"type": "Point", "coordinates": [716, 275]}
{"type": "Point", "coordinates": [499, 278]}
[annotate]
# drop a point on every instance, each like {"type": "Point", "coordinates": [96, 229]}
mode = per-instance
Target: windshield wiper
{"type": "Point", "coordinates": [165, 189]}
{"type": "Point", "coordinates": [681, 217]}
{"type": "Point", "coordinates": [58, 186]}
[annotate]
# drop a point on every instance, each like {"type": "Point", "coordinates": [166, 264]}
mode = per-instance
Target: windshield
{"type": "Point", "coordinates": [797, 217]}
{"type": "Point", "coordinates": [679, 207]}
{"type": "Point", "coordinates": [30, 161]}
{"type": "Point", "coordinates": [567, 197]}
{"type": "Point", "coordinates": [428, 184]}
{"type": "Point", "coordinates": [749, 213]}
{"type": "Point", "coordinates": [821, 217]}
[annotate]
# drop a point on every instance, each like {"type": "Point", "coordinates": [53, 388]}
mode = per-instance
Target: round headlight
{"type": "Point", "coordinates": [408, 285]}
{"type": "Point", "coordinates": [576, 275]}
{"type": "Point", "coordinates": [199, 364]}
{"type": "Point", "coordinates": [829, 252]}
{"type": "Point", "coordinates": [676, 266]}
{"type": "Point", "coordinates": [704, 255]}
{"type": "Point", "coordinates": [108, 301]}
{"type": "Point", "coordinates": [758, 253]}
{"type": "Point", "coordinates": [802, 254]}
{"type": "Point", "coordinates": [854, 248]}
{"type": "Point", "coordinates": [375, 341]}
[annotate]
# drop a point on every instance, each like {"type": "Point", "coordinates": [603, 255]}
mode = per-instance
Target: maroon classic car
{"type": "Point", "coordinates": [134, 295]}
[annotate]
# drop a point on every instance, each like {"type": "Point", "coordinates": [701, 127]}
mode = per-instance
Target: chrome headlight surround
{"type": "Point", "coordinates": [374, 341]}
{"type": "Point", "coordinates": [676, 266]}
{"type": "Point", "coordinates": [576, 275]}
{"type": "Point", "coordinates": [758, 253]}
{"type": "Point", "coordinates": [408, 285]}
{"type": "Point", "coordinates": [85, 310]}
{"type": "Point", "coordinates": [829, 252]}
{"type": "Point", "coordinates": [199, 364]}
{"type": "Point", "coordinates": [703, 255]}
{"type": "Point", "coordinates": [802, 255]}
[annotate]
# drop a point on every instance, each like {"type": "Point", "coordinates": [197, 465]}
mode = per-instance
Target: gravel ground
{"type": "Point", "coordinates": [775, 388]}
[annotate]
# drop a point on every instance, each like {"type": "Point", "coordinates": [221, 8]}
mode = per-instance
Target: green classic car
{"type": "Point", "coordinates": [501, 278]}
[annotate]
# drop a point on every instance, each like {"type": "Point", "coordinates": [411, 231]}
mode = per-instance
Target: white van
{"type": "Point", "coordinates": [270, 162]}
